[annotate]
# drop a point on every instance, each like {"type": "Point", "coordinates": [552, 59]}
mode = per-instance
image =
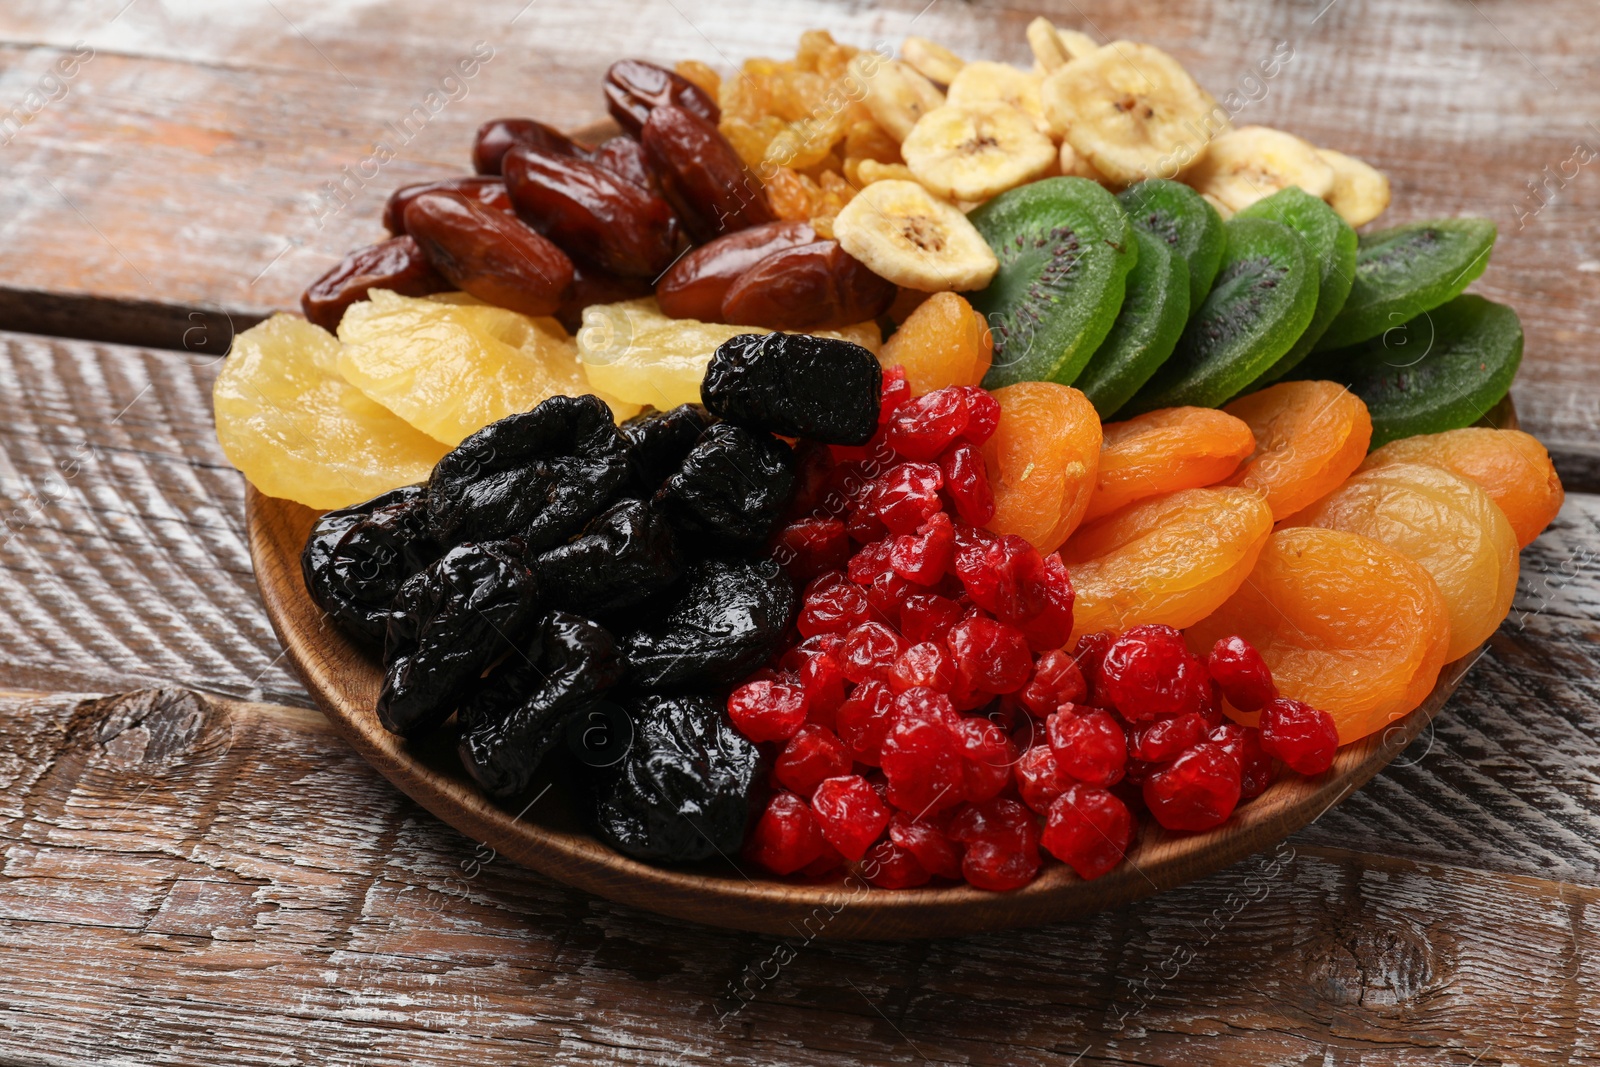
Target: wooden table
{"type": "Point", "coordinates": [194, 869]}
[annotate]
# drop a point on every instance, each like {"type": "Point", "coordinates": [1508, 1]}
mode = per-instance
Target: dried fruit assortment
{"type": "Point", "coordinates": [754, 470]}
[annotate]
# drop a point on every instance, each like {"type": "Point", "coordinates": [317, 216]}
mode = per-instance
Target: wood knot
{"type": "Point", "coordinates": [148, 726]}
{"type": "Point", "coordinates": [1382, 964]}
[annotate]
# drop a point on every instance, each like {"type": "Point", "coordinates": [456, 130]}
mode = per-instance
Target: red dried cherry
{"type": "Point", "coordinates": [870, 651]}
{"type": "Point", "coordinates": [1256, 769]}
{"type": "Point", "coordinates": [988, 755]}
{"type": "Point", "coordinates": [1302, 736]}
{"type": "Point", "coordinates": [864, 719]}
{"type": "Point", "coordinates": [1089, 829]}
{"type": "Point", "coordinates": [811, 755]}
{"type": "Point", "coordinates": [925, 556]}
{"type": "Point", "coordinates": [1196, 791]}
{"type": "Point", "coordinates": [966, 482]}
{"type": "Point", "coordinates": [1242, 674]}
{"type": "Point", "coordinates": [888, 866]}
{"type": "Point", "coordinates": [924, 664]}
{"type": "Point", "coordinates": [989, 656]}
{"type": "Point", "coordinates": [851, 814]}
{"type": "Point", "coordinates": [1159, 740]}
{"type": "Point", "coordinates": [1089, 744]}
{"type": "Point", "coordinates": [924, 427]}
{"type": "Point", "coordinates": [1056, 681]}
{"type": "Point", "coordinates": [928, 617]}
{"type": "Point", "coordinates": [1147, 673]}
{"type": "Point", "coordinates": [1040, 778]}
{"type": "Point", "coordinates": [926, 840]}
{"type": "Point", "coordinates": [832, 605]}
{"type": "Point", "coordinates": [768, 710]}
{"type": "Point", "coordinates": [988, 866]}
{"type": "Point", "coordinates": [921, 755]}
{"type": "Point", "coordinates": [787, 837]}
{"type": "Point", "coordinates": [905, 495]}
{"type": "Point", "coordinates": [1005, 822]}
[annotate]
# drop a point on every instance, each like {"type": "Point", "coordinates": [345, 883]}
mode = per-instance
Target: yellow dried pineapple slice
{"type": "Point", "coordinates": [299, 431]}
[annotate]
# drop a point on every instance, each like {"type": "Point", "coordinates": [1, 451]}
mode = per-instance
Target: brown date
{"type": "Point", "coordinates": [694, 287]}
{"type": "Point", "coordinates": [498, 136]}
{"type": "Point", "coordinates": [487, 189]}
{"type": "Point", "coordinates": [590, 286]}
{"type": "Point", "coordinates": [491, 255]}
{"type": "Point", "coordinates": [701, 175]}
{"type": "Point", "coordinates": [818, 286]}
{"type": "Point", "coordinates": [601, 218]}
{"type": "Point", "coordinates": [634, 88]}
{"type": "Point", "coordinates": [396, 264]}
{"type": "Point", "coordinates": [624, 157]}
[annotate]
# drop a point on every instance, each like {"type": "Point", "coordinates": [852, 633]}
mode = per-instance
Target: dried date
{"type": "Point", "coordinates": [498, 136]}
{"type": "Point", "coordinates": [696, 284]}
{"type": "Point", "coordinates": [634, 89]}
{"type": "Point", "coordinates": [603, 219]}
{"type": "Point", "coordinates": [488, 190]}
{"type": "Point", "coordinates": [701, 175]}
{"type": "Point", "coordinates": [624, 157]}
{"type": "Point", "coordinates": [491, 255]}
{"type": "Point", "coordinates": [817, 286]}
{"type": "Point", "coordinates": [398, 264]}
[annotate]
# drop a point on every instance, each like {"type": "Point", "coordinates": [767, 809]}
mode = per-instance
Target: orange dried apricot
{"type": "Point", "coordinates": [1042, 461]}
{"type": "Point", "coordinates": [1346, 624]}
{"type": "Point", "coordinates": [1173, 559]}
{"type": "Point", "coordinates": [943, 342]}
{"type": "Point", "coordinates": [1310, 436]}
{"type": "Point", "coordinates": [1163, 451]}
{"type": "Point", "coordinates": [1442, 521]}
{"type": "Point", "coordinates": [1509, 465]}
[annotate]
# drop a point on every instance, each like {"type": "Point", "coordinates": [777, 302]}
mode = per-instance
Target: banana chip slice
{"type": "Point", "coordinates": [933, 61]}
{"type": "Point", "coordinates": [896, 95]}
{"type": "Point", "coordinates": [905, 234]}
{"type": "Point", "coordinates": [1000, 83]}
{"type": "Point", "coordinates": [1132, 111]}
{"type": "Point", "coordinates": [1360, 191]}
{"type": "Point", "coordinates": [1049, 50]}
{"type": "Point", "coordinates": [975, 152]}
{"type": "Point", "coordinates": [1253, 162]}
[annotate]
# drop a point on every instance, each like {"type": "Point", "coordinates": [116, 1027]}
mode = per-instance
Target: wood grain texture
{"type": "Point", "coordinates": [186, 164]}
{"type": "Point", "coordinates": [195, 880]}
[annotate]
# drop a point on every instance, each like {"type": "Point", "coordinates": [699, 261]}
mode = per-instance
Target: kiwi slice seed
{"type": "Point", "coordinates": [1440, 371]}
{"type": "Point", "coordinates": [1406, 270]}
{"type": "Point", "coordinates": [1182, 218]}
{"type": "Point", "coordinates": [1147, 328]}
{"type": "Point", "coordinates": [1260, 304]}
{"type": "Point", "coordinates": [1065, 248]}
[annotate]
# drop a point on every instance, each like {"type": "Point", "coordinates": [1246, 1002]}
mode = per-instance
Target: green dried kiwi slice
{"type": "Point", "coordinates": [1182, 218]}
{"type": "Point", "coordinates": [1065, 249]}
{"type": "Point", "coordinates": [1406, 270]}
{"type": "Point", "coordinates": [1333, 247]}
{"type": "Point", "coordinates": [1260, 304]}
{"type": "Point", "coordinates": [1147, 328]}
{"type": "Point", "coordinates": [1441, 371]}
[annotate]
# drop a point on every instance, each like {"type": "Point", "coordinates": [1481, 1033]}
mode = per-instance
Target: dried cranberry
{"type": "Point", "coordinates": [870, 651]}
{"type": "Point", "coordinates": [811, 755]}
{"type": "Point", "coordinates": [1089, 745]}
{"type": "Point", "coordinates": [768, 710]}
{"type": "Point", "coordinates": [786, 837]}
{"type": "Point", "coordinates": [966, 482]}
{"type": "Point", "coordinates": [1089, 829]}
{"type": "Point", "coordinates": [811, 546]}
{"type": "Point", "coordinates": [850, 813]}
{"type": "Point", "coordinates": [1196, 791]}
{"type": "Point", "coordinates": [1056, 681]}
{"type": "Point", "coordinates": [1256, 769]}
{"type": "Point", "coordinates": [1241, 672]}
{"type": "Point", "coordinates": [1040, 778]}
{"type": "Point", "coordinates": [864, 719]}
{"type": "Point", "coordinates": [925, 839]}
{"type": "Point", "coordinates": [925, 556]}
{"type": "Point", "coordinates": [888, 866]}
{"type": "Point", "coordinates": [1302, 736]}
{"type": "Point", "coordinates": [990, 656]}
{"type": "Point", "coordinates": [906, 495]}
{"type": "Point", "coordinates": [1147, 673]}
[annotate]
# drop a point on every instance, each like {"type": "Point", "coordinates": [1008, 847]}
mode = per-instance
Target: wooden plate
{"type": "Point", "coordinates": [546, 837]}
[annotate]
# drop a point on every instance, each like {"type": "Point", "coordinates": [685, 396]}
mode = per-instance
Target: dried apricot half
{"type": "Point", "coordinates": [1310, 436]}
{"type": "Point", "coordinates": [1346, 625]}
{"type": "Point", "coordinates": [943, 342]}
{"type": "Point", "coordinates": [1445, 523]}
{"type": "Point", "coordinates": [1042, 461]}
{"type": "Point", "coordinates": [1166, 450]}
{"type": "Point", "coordinates": [1509, 465]}
{"type": "Point", "coordinates": [1173, 559]}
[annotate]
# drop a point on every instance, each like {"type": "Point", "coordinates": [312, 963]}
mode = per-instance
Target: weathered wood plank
{"type": "Point", "coordinates": [187, 162]}
{"type": "Point", "coordinates": [196, 880]}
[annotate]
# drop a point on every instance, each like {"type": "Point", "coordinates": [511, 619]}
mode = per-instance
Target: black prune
{"type": "Point", "coordinates": [449, 623]}
{"type": "Point", "coordinates": [731, 489]}
{"type": "Point", "coordinates": [522, 708]}
{"type": "Point", "coordinates": [658, 441]}
{"type": "Point", "coordinates": [357, 558]}
{"type": "Point", "coordinates": [538, 475]}
{"type": "Point", "coordinates": [683, 791]}
{"type": "Point", "coordinates": [820, 388]}
{"type": "Point", "coordinates": [728, 617]}
{"type": "Point", "coordinates": [626, 554]}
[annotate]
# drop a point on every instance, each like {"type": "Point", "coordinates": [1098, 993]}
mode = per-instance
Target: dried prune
{"type": "Point", "coordinates": [488, 190]}
{"type": "Point", "coordinates": [605, 220]}
{"type": "Point", "coordinates": [492, 255]}
{"type": "Point", "coordinates": [624, 157]}
{"type": "Point", "coordinates": [521, 709]}
{"type": "Point", "coordinates": [683, 790]}
{"type": "Point", "coordinates": [819, 388]}
{"type": "Point", "coordinates": [818, 286]}
{"type": "Point", "coordinates": [658, 441]}
{"type": "Point", "coordinates": [732, 488]}
{"type": "Point", "coordinates": [538, 475]}
{"type": "Point", "coordinates": [701, 175]}
{"type": "Point", "coordinates": [725, 620]}
{"type": "Point", "coordinates": [694, 287]}
{"type": "Point", "coordinates": [634, 88]}
{"type": "Point", "coordinates": [450, 622]}
{"type": "Point", "coordinates": [397, 264]}
{"type": "Point", "coordinates": [498, 136]}
{"type": "Point", "coordinates": [626, 554]}
{"type": "Point", "coordinates": [356, 559]}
